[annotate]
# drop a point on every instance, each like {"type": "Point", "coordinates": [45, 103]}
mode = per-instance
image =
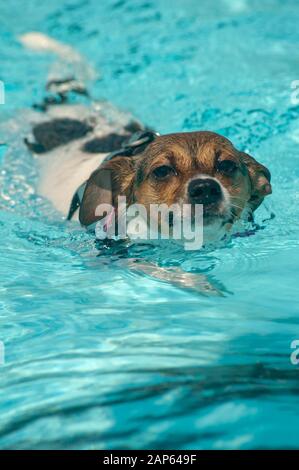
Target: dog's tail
{"type": "Point", "coordinates": [71, 65]}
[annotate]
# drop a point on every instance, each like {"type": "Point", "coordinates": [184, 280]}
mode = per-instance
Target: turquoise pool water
{"type": "Point", "coordinates": [98, 356]}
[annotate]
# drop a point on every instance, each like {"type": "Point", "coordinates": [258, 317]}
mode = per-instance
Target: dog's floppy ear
{"type": "Point", "coordinates": [260, 178]}
{"type": "Point", "coordinates": [114, 178]}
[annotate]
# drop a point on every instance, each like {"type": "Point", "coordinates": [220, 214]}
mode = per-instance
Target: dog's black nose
{"type": "Point", "coordinates": [204, 191]}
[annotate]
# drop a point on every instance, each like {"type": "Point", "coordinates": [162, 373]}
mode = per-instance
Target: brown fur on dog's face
{"type": "Point", "coordinates": [190, 156]}
{"type": "Point", "coordinates": [163, 172]}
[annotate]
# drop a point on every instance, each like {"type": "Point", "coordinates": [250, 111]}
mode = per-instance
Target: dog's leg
{"type": "Point", "coordinates": [70, 72]}
{"type": "Point", "coordinates": [199, 283]}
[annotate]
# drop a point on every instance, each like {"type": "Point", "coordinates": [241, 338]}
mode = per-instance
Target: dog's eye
{"type": "Point", "coordinates": [163, 171]}
{"type": "Point", "coordinates": [228, 167]}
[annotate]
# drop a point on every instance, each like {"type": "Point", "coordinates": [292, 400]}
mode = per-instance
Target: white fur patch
{"type": "Point", "coordinates": [65, 168]}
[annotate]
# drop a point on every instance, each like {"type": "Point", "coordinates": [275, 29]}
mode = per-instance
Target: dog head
{"type": "Point", "coordinates": [184, 168]}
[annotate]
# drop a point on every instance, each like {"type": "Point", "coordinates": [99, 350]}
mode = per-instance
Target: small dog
{"type": "Point", "coordinates": [73, 142]}
{"type": "Point", "coordinates": [89, 154]}
{"type": "Point", "coordinates": [92, 147]}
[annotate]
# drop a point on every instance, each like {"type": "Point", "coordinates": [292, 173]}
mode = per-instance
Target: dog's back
{"type": "Point", "coordinates": [71, 141]}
